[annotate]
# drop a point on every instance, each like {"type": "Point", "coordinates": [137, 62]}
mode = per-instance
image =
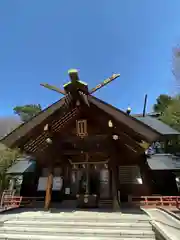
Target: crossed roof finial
{"type": "Point", "coordinates": [77, 84]}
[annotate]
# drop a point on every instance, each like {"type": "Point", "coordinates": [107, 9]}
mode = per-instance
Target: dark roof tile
{"type": "Point", "coordinates": [157, 125]}
{"type": "Point", "coordinates": [164, 162]}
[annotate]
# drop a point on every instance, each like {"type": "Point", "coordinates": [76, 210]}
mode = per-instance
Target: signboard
{"type": "Point", "coordinates": [104, 175]}
{"type": "Point", "coordinates": [42, 184]}
{"type": "Point", "coordinates": [67, 191]}
{"type": "Point", "coordinates": [57, 183]}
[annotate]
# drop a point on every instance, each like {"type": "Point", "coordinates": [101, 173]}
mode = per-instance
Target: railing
{"type": "Point", "coordinates": [6, 194]}
{"type": "Point", "coordinates": [154, 201]}
{"type": "Point", "coordinates": [11, 202]}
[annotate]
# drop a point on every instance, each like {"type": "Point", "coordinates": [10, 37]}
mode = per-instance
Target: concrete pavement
{"type": "Point", "coordinates": [168, 226]}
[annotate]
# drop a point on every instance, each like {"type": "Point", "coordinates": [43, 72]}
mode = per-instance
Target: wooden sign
{"type": "Point", "coordinates": [42, 184]}
{"type": "Point", "coordinates": [67, 191]}
{"type": "Point", "coordinates": [57, 183]}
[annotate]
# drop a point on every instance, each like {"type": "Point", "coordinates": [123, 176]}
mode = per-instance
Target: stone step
{"type": "Point", "coordinates": [80, 219]}
{"type": "Point", "coordinates": [53, 224]}
{"type": "Point", "coordinates": [89, 232]}
{"type": "Point", "coordinates": [58, 215]}
{"type": "Point", "coordinates": [45, 237]}
{"type": "Point", "coordinates": [87, 217]}
{"type": "Point", "coordinates": [84, 214]}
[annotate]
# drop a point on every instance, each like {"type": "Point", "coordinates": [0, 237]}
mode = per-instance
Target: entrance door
{"type": "Point", "coordinates": [94, 179]}
{"type": "Point", "coordinates": [104, 183]}
{"type": "Point", "coordinates": [89, 182]}
{"type": "Point", "coordinates": [85, 186]}
{"type": "Point", "coordinates": [83, 182]}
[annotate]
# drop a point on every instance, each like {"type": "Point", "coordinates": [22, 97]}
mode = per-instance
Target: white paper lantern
{"type": "Point", "coordinates": [110, 124]}
{"type": "Point", "coordinates": [49, 141]}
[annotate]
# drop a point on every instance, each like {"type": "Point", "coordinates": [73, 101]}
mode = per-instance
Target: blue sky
{"type": "Point", "coordinates": [41, 40]}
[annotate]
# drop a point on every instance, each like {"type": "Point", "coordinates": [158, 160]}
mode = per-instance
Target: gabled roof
{"type": "Point", "coordinates": [146, 132]}
{"type": "Point", "coordinates": [26, 127]}
{"type": "Point", "coordinates": [157, 125]}
{"type": "Point", "coordinates": [164, 162]}
{"type": "Point", "coordinates": [23, 165]}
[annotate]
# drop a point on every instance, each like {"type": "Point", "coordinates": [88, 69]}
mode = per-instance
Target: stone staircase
{"type": "Point", "coordinates": [77, 225]}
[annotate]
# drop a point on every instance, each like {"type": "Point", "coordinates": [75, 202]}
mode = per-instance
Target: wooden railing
{"type": "Point", "coordinates": [6, 194]}
{"type": "Point", "coordinates": [12, 202]}
{"type": "Point", "coordinates": [154, 201]}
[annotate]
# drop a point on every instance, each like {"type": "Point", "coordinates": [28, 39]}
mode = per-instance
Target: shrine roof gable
{"type": "Point", "coordinates": [147, 132]}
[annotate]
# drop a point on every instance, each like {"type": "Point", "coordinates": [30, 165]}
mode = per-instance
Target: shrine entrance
{"type": "Point", "coordinates": [79, 133]}
{"type": "Point", "coordinates": [90, 183]}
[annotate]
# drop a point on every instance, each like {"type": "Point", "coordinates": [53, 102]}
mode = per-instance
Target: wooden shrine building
{"type": "Point", "coordinates": [81, 146]}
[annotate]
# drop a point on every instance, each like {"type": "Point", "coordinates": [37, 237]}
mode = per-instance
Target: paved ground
{"type": "Point", "coordinates": [177, 212]}
{"type": "Point", "coordinates": [169, 226]}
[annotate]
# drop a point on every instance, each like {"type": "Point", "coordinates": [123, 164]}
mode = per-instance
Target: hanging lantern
{"type": "Point", "coordinates": [77, 103]}
{"type": "Point", "coordinates": [110, 124]}
{"type": "Point", "coordinates": [49, 140]}
{"type": "Point", "coordinates": [46, 127]}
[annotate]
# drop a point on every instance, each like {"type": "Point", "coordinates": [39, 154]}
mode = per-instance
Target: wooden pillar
{"type": "Point", "coordinates": [114, 174]}
{"type": "Point", "coordinates": [87, 173]}
{"type": "Point", "coordinates": [114, 170]}
{"type": "Point", "coordinates": [49, 189]}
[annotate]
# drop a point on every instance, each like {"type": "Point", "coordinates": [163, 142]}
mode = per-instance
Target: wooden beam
{"type": "Point", "coordinates": [95, 162]}
{"type": "Point", "coordinates": [79, 152]}
{"type": "Point", "coordinates": [104, 83]}
{"type": "Point", "coordinates": [49, 189]}
{"type": "Point", "coordinates": [53, 88]}
{"type": "Point", "coordinates": [90, 138]}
